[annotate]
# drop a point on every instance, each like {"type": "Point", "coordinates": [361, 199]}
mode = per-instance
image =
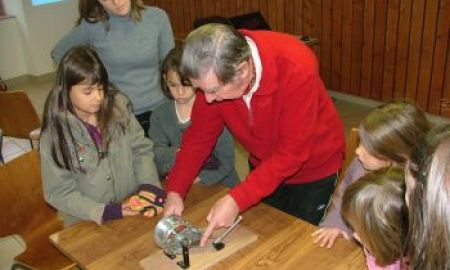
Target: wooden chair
{"type": "Point", "coordinates": [18, 118]}
{"type": "Point", "coordinates": [25, 212]}
{"type": "Point", "coordinates": [351, 143]}
{"type": "Point", "coordinates": [3, 85]}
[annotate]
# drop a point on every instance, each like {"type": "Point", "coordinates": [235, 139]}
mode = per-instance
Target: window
{"type": "Point", "coordinates": [43, 2]}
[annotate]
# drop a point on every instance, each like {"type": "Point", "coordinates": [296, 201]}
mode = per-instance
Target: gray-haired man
{"type": "Point", "coordinates": [265, 87]}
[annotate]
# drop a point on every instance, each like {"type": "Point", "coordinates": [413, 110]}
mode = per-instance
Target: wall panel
{"type": "Point", "coordinates": [390, 49]}
{"type": "Point", "coordinates": [380, 49]}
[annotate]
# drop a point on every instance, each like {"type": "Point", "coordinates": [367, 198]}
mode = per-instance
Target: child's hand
{"type": "Point", "coordinates": [148, 202]}
{"type": "Point", "coordinates": [135, 204]}
{"type": "Point", "coordinates": [153, 210]}
{"type": "Point", "coordinates": [150, 197]}
{"type": "Point", "coordinates": [326, 237]}
{"type": "Point", "coordinates": [127, 211]}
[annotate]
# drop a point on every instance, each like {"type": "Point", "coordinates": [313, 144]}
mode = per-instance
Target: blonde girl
{"type": "Point", "coordinates": [387, 136]}
{"type": "Point", "coordinates": [428, 200]}
{"type": "Point", "coordinates": [374, 207]}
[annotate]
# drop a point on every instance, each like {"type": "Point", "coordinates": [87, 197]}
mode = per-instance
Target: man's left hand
{"type": "Point", "coordinates": [222, 214]}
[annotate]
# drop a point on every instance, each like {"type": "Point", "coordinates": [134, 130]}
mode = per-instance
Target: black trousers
{"type": "Point", "coordinates": [306, 201]}
{"type": "Point", "coordinates": [144, 121]}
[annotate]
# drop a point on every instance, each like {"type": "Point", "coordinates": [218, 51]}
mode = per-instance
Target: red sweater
{"type": "Point", "coordinates": [292, 130]}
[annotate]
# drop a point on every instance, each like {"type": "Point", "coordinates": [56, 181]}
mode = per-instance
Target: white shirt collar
{"type": "Point", "coordinates": [258, 71]}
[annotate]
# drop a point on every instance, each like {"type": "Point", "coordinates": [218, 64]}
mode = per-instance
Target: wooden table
{"type": "Point", "coordinates": [284, 242]}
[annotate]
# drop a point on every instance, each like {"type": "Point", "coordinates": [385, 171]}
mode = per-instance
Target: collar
{"type": "Point", "coordinates": [257, 71]}
{"type": "Point", "coordinates": [116, 17]}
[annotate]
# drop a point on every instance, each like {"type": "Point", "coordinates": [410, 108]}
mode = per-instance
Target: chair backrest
{"type": "Point", "coordinates": [25, 212]}
{"type": "Point", "coordinates": [212, 19]}
{"type": "Point", "coordinates": [252, 21]}
{"type": "Point", "coordinates": [21, 197]}
{"type": "Point", "coordinates": [3, 85]}
{"type": "Point", "coordinates": [17, 114]}
{"type": "Point", "coordinates": [351, 143]}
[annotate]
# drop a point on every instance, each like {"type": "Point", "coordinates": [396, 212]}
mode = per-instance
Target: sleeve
{"type": "Point", "coordinates": [78, 36]}
{"type": "Point", "coordinates": [196, 145]}
{"type": "Point", "coordinates": [60, 190]}
{"type": "Point", "coordinates": [333, 217]}
{"type": "Point", "coordinates": [224, 152]}
{"type": "Point", "coordinates": [299, 91]}
{"type": "Point", "coordinates": [166, 41]}
{"type": "Point", "coordinates": [165, 153]}
{"type": "Point", "coordinates": [112, 211]}
{"type": "Point", "coordinates": [142, 152]}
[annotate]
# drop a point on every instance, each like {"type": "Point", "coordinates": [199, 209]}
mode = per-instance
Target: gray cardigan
{"type": "Point", "coordinates": [333, 218]}
{"type": "Point", "coordinates": [166, 132]}
{"type": "Point", "coordinates": [83, 195]}
{"type": "Point", "coordinates": [131, 52]}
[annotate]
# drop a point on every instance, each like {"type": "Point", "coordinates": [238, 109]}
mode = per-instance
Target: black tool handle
{"type": "Point", "coordinates": [185, 247]}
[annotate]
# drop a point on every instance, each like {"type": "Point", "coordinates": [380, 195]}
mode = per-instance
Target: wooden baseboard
{"type": "Point", "coordinates": [373, 103]}
{"type": "Point", "coordinates": [31, 78]}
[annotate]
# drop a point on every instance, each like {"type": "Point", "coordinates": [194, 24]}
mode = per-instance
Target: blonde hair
{"type": "Point", "coordinates": [429, 201]}
{"type": "Point", "coordinates": [391, 130]}
{"type": "Point", "coordinates": [374, 207]}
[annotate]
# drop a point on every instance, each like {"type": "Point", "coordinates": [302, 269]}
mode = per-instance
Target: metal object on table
{"type": "Point", "coordinates": [175, 236]}
{"type": "Point", "coordinates": [218, 244]}
{"type": "Point", "coordinates": [2, 161]}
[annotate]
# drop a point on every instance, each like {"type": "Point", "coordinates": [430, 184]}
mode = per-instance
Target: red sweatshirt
{"type": "Point", "coordinates": [291, 131]}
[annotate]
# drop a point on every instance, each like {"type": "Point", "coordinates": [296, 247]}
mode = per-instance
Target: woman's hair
{"type": "Point", "coordinates": [79, 65]}
{"type": "Point", "coordinates": [218, 47]}
{"type": "Point", "coordinates": [92, 11]}
{"type": "Point", "coordinates": [172, 62]}
{"type": "Point", "coordinates": [428, 171]}
{"type": "Point", "coordinates": [391, 130]}
{"type": "Point", "coordinates": [374, 207]}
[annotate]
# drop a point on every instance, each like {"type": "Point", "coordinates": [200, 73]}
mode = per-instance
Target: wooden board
{"type": "Point", "coordinates": [203, 258]}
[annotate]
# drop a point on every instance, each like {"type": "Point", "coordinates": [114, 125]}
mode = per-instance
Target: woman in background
{"type": "Point", "coordinates": [387, 136]}
{"type": "Point", "coordinates": [131, 40]}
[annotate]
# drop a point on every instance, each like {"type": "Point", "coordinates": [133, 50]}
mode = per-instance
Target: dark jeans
{"type": "Point", "coordinates": [144, 121]}
{"type": "Point", "coordinates": [306, 201]}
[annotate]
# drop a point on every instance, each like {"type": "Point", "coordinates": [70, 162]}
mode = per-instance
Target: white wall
{"type": "Point", "coordinates": [39, 28]}
{"type": "Point", "coordinates": [12, 59]}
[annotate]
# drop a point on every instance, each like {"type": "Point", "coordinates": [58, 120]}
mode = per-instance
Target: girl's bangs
{"type": "Point", "coordinates": [87, 75]}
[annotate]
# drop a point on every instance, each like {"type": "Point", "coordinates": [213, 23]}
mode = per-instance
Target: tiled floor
{"type": "Point", "coordinates": [37, 89]}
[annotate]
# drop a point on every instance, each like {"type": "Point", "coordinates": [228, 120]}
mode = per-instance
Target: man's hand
{"type": "Point", "coordinates": [326, 237]}
{"type": "Point", "coordinates": [222, 214]}
{"type": "Point", "coordinates": [174, 204]}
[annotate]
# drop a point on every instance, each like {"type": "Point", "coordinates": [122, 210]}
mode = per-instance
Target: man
{"type": "Point", "coordinates": [265, 87]}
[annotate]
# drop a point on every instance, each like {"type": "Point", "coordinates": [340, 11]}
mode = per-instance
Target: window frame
{"type": "Point", "coordinates": [2, 9]}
